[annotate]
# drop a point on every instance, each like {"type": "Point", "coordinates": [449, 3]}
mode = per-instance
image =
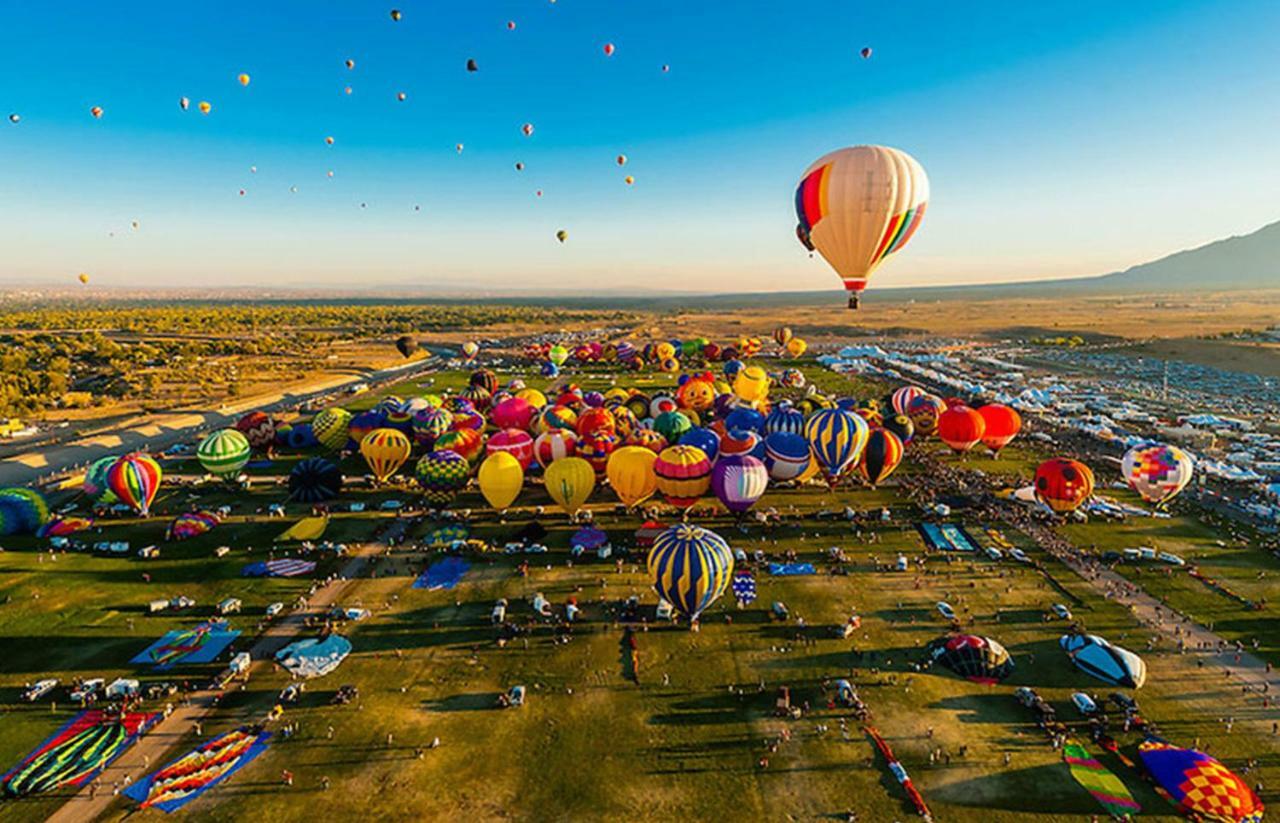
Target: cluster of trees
{"type": "Point", "coordinates": [68, 355]}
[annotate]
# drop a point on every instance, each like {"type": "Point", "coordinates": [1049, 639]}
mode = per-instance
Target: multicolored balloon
{"type": "Point", "coordinates": [1063, 484]}
{"type": "Point", "coordinates": [1157, 472]}
{"type": "Point", "coordinates": [881, 456]}
{"type": "Point", "coordinates": [837, 438]}
{"type": "Point", "coordinates": [331, 428]}
{"type": "Point", "coordinates": [738, 481]}
{"type": "Point", "coordinates": [135, 479]}
{"type": "Point", "coordinates": [442, 474]}
{"type": "Point", "coordinates": [684, 475]}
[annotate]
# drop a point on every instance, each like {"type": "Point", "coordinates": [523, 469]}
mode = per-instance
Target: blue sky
{"type": "Point", "coordinates": [1061, 138]}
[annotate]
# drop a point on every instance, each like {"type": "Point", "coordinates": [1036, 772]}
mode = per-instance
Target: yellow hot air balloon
{"type": "Point", "coordinates": [243, 79]}
{"type": "Point", "coordinates": [631, 475]}
{"type": "Point", "coordinates": [385, 450]}
{"type": "Point", "coordinates": [663, 351]}
{"type": "Point", "coordinates": [500, 477]}
{"type": "Point", "coordinates": [797, 347]}
{"type": "Point", "coordinates": [204, 106]}
{"type": "Point", "coordinates": [84, 278]}
{"type": "Point", "coordinates": [751, 384]}
{"type": "Point", "coordinates": [533, 397]}
{"type": "Point", "coordinates": [857, 206]}
{"type": "Point", "coordinates": [570, 481]}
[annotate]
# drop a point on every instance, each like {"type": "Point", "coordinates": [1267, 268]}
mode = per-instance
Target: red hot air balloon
{"type": "Point", "coordinates": [961, 428]}
{"type": "Point", "coordinates": [1003, 424]}
{"type": "Point", "coordinates": [608, 50]}
{"type": "Point", "coordinates": [1063, 484]}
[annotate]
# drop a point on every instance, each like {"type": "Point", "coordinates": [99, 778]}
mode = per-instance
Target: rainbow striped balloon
{"type": "Point", "coordinates": [690, 567]}
{"type": "Point", "coordinates": [135, 479]}
{"type": "Point", "coordinates": [837, 438]}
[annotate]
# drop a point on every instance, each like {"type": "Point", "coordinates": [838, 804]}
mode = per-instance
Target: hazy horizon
{"type": "Point", "coordinates": [1060, 142]}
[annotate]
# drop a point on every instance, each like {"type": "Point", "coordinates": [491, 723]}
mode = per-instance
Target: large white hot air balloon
{"type": "Point", "coordinates": [859, 205]}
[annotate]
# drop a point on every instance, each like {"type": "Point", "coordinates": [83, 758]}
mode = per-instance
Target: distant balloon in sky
{"type": "Point", "coordinates": [243, 79]}
{"type": "Point", "coordinates": [328, 141]}
{"type": "Point", "coordinates": [184, 103]}
{"type": "Point", "coordinates": [253, 170]}
{"type": "Point", "coordinates": [538, 193]}
{"type": "Point", "coordinates": [204, 106]}
{"type": "Point", "coordinates": [519, 166]}
{"type": "Point", "coordinates": [665, 68]}
{"type": "Point", "coordinates": [859, 205]}
{"type": "Point", "coordinates": [511, 25]}
{"type": "Point", "coordinates": [15, 118]}
{"type": "Point", "coordinates": [608, 50]}
{"type": "Point", "coordinates": [527, 129]}
{"type": "Point", "coordinates": [401, 96]}
{"type": "Point", "coordinates": [351, 64]}
{"type": "Point", "coordinates": [396, 15]}
{"type": "Point", "coordinates": [629, 180]}
{"type": "Point", "coordinates": [347, 90]}
{"type": "Point", "coordinates": [472, 65]}
{"type": "Point", "coordinates": [622, 160]}
{"type": "Point", "coordinates": [866, 52]}
{"type": "Point", "coordinates": [562, 235]}
{"type": "Point", "coordinates": [242, 192]}
{"type": "Point", "coordinates": [135, 225]}
{"type": "Point", "coordinates": [84, 278]}
{"type": "Point", "coordinates": [96, 111]}
{"type": "Point", "coordinates": [459, 147]}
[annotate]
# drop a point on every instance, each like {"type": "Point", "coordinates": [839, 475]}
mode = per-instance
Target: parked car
{"type": "Point", "coordinates": [1026, 696]}
{"type": "Point", "coordinates": [39, 689]}
{"type": "Point", "coordinates": [88, 691]}
{"type": "Point", "coordinates": [1123, 701]}
{"type": "Point", "coordinates": [944, 609]}
{"type": "Point", "coordinates": [1061, 611]}
{"type": "Point", "coordinates": [1084, 704]}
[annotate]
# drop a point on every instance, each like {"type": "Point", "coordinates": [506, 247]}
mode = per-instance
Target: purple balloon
{"type": "Point", "coordinates": [738, 481]}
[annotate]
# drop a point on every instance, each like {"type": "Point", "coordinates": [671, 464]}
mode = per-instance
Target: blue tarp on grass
{"type": "Point", "coordinates": [443, 574]}
{"type": "Point", "coordinates": [791, 569]}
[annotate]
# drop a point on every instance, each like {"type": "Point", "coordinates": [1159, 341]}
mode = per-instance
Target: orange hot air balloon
{"type": "Point", "coordinates": [96, 111]}
{"type": "Point", "coordinates": [629, 180]}
{"type": "Point", "coordinates": [1003, 424]}
{"type": "Point", "coordinates": [961, 428]}
{"type": "Point", "coordinates": [204, 106]}
{"type": "Point", "coordinates": [328, 141]}
{"type": "Point", "coordinates": [1063, 484]}
{"type": "Point", "coordinates": [243, 79]}
{"type": "Point", "coordinates": [857, 207]}
{"type": "Point", "coordinates": [622, 160]}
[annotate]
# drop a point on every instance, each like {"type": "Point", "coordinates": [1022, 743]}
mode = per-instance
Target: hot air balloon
{"type": "Point", "coordinates": [406, 345]}
{"type": "Point", "coordinates": [1098, 658]}
{"type": "Point", "coordinates": [1063, 484]}
{"type": "Point", "coordinates": [204, 106]}
{"type": "Point", "coordinates": [96, 111]}
{"type": "Point", "coordinates": [385, 450]}
{"type": "Point", "coordinates": [22, 511]}
{"type": "Point", "coordinates": [881, 456]}
{"type": "Point", "coordinates": [784, 417]}
{"type": "Point", "coordinates": [364, 423]}
{"type": "Point", "coordinates": [837, 438]}
{"type": "Point", "coordinates": [672, 425]}
{"type": "Point", "coordinates": [979, 659]}
{"type": "Point", "coordinates": [191, 524]}
{"type": "Point", "coordinates": [1200, 786]}
{"type": "Point", "coordinates": [330, 427]}
{"type": "Point", "coordinates": [786, 455]}
{"type": "Point", "coordinates": [515, 442]}
{"type": "Point", "coordinates": [511, 25]}
{"type": "Point", "coordinates": [396, 15]}
{"type": "Point", "coordinates": [553, 445]}
{"type": "Point", "coordinates": [83, 278]}
{"type": "Point", "coordinates": [472, 65]}
{"type": "Point", "coordinates": [961, 428]}
{"type": "Point", "coordinates": [608, 50]}
{"type": "Point", "coordinates": [224, 452]}
{"type": "Point", "coordinates": [690, 567]}
{"type": "Point", "coordinates": [797, 347]}
{"type": "Point", "coordinates": [184, 103]}
{"type": "Point", "coordinates": [401, 96]}
{"type": "Point", "coordinates": [751, 385]}
{"type": "Point", "coordinates": [243, 79]}
{"type": "Point", "coordinates": [595, 448]}
{"type": "Point", "coordinates": [925, 410]}
{"type": "Point", "coordinates": [901, 399]}
{"type": "Point", "coordinates": [857, 206]}
{"type": "Point", "coordinates": [557, 354]}
{"type": "Point", "coordinates": [631, 474]}
{"type": "Point", "coordinates": [782, 336]}
{"type": "Point", "coordinates": [1157, 472]}
{"type": "Point", "coordinates": [259, 428]}
{"type": "Point", "coordinates": [134, 479]}
{"type": "Point", "coordinates": [684, 475]}
{"type": "Point", "coordinates": [95, 480]}
{"type": "Point", "coordinates": [469, 350]}
{"type": "Point", "coordinates": [569, 482]}
{"type": "Point", "coordinates": [902, 426]}
{"type": "Point", "coordinates": [527, 129]}
{"type": "Point", "coordinates": [866, 52]}
{"type": "Point", "coordinates": [315, 480]}
{"type": "Point", "coordinates": [1002, 425]}
{"type": "Point", "coordinates": [442, 474]}
{"type": "Point", "coordinates": [738, 481]}
{"type": "Point", "coordinates": [351, 64]}
{"type": "Point", "coordinates": [562, 235]}
{"type": "Point", "coordinates": [467, 442]}
{"type": "Point", "coordinates": [500, 479]}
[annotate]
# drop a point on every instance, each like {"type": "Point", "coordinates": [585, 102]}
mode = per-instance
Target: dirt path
{"type": "Point", "coordinates": [154, 749]}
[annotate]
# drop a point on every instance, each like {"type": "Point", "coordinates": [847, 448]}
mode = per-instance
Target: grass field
{"type": "Point", "coordinates": [685, 737]}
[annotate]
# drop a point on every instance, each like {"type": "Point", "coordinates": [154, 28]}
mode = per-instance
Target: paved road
{"type": "Point", "coordinates": [155, 749]}
{"type": "Point", "coordinates": [162, 431]}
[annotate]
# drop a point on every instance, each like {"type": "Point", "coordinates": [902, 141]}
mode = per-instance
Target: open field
{"type": "Point", "coordinates": [1233, 355]}
{"type": "Point", "coordinates": [685, 735]}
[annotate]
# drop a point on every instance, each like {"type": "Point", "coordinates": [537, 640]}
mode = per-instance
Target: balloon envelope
{"type": "Point", "coordinates": [569, 483]}
{"type": "Point", "coordinates": [500, 478]}
{"type": "Point", "coordinates": [738, 481]}
{"type": "Point", "coordinates": [690, 567]}
{"type": "Point", "coordinates": [631, 474]}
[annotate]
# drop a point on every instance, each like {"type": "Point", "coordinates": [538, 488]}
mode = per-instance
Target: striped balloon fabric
{"type": "Point", "coordinates": [684, 475]}
{"type": "Point", "coordinates": [690, 567]}
{"type": "Point", "coordinates": [224, 452]}
{"type": "Point", "coordinates": [837, 438]}
{"type": "Point", "coordinates": [135, 479]}
{"type": "Point", "coordinates": [385, 450]}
